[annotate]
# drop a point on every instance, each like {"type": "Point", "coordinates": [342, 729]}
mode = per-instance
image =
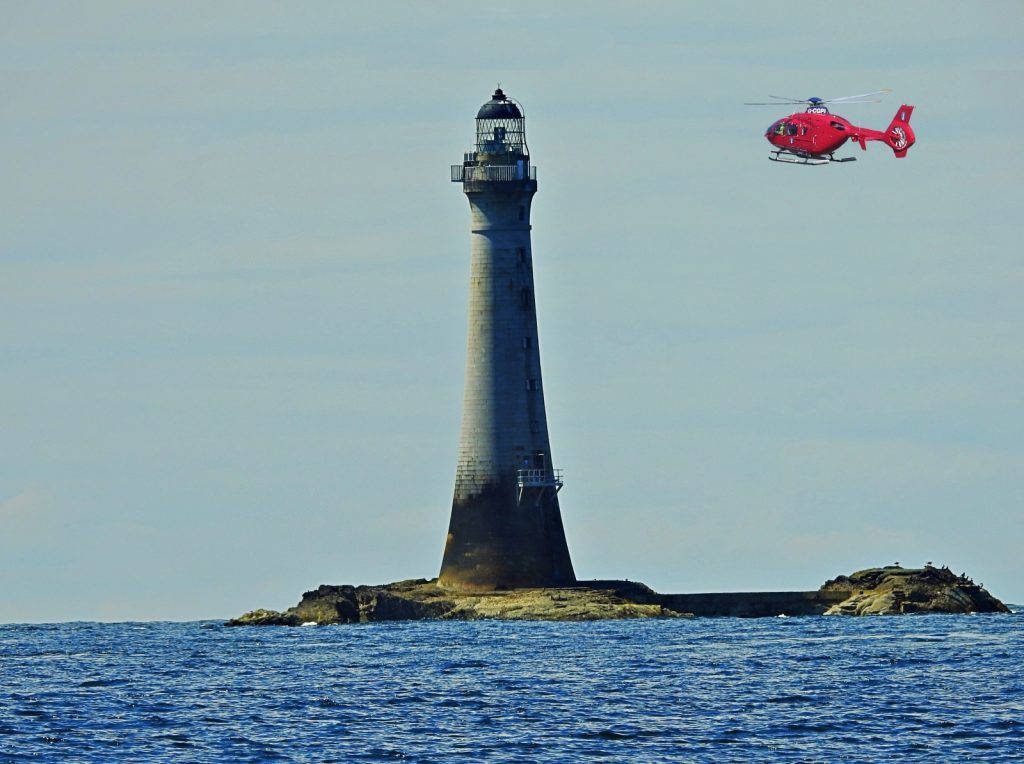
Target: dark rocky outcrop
{"type": "Point", "coordinates": [881, 591]}
{"type": "Point", "coordinates": [328, 604]}
{"type": "Point", "coordinates": [892, 590]}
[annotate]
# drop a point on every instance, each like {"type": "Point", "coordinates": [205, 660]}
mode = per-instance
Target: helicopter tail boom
{"type": "Point", "coordinates": [898, 135]}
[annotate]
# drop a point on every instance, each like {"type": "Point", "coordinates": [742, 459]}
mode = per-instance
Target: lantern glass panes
{"type": "Point", "coordinates": [501, 136]}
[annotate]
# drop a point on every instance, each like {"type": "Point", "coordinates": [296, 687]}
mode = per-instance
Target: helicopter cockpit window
{"type": "Point", "coordinates": [779, 128]}
{"type": "Point", "coordinates": [790, 128]}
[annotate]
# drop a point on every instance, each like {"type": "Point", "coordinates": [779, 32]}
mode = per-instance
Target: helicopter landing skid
{"type": "Point", "coordinates": [790, 157]}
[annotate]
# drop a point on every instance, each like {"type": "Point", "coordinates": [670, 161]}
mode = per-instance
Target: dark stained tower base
{"type": "Point", "coordinates": [493, 543]}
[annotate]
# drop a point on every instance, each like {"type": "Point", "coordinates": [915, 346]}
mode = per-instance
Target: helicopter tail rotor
{"type": "Point", "coordinates": [899, 135]}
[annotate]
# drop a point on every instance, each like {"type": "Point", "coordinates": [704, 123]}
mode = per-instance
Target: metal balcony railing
{"type": "Point", "coordinates": [540, 479]}
{"type": "Point", "coordinates": [462, 173]}
{"type": "Point", "coordinates": [532, 478]}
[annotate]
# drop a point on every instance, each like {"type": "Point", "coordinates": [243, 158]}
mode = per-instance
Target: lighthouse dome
{"type": "Point", "coordinates": [499, 107]}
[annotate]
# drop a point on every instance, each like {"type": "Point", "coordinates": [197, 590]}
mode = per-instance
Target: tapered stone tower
{"type": "Point", "coordinates": [506, 527]}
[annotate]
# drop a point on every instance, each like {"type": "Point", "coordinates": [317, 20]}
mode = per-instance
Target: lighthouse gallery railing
{"type": "Point", "coordinates": [462, 173]}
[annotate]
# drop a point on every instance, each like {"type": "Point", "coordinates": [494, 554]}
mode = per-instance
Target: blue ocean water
{"type": "Point", "coordinates": [910, 688]}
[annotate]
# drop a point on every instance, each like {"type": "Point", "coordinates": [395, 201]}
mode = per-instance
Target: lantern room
{"type": "Point", "coordinates": [500, 128]}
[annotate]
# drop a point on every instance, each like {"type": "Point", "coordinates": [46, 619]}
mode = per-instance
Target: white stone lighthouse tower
{"type": "Point", "coordinates": [506, 527]}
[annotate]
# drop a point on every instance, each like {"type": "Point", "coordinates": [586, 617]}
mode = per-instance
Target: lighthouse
{"type": "Point", "coordinates": [506, 527]}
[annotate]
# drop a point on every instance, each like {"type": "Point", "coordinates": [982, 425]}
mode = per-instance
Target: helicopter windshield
{"type": "Point", "coordinates": [782, 127]}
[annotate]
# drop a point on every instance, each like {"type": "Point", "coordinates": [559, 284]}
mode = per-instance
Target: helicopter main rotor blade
{"type": "Point", "coordinates": [855, 98]}
{"type": "Point", "coordinates": [862, 98]}
{"type": "Point", "coordinates": [776, 103]}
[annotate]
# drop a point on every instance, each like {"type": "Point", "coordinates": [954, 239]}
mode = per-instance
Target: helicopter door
{"type": "Point", "coordinates": [792, 133]}
{"type": "Point", "coordinates": [801, 136]}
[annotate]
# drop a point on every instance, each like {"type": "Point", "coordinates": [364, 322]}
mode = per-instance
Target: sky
{"type": "Point", "coordinates": [234, 275]}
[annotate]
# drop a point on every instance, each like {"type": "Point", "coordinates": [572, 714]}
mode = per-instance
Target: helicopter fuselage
{"type": "Point", "coordinates": [814, 134]}
{"type": "Point", "coordinates": [817, 133]}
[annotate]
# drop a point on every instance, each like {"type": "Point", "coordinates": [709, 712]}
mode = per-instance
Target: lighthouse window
{"type": "Point", "coordinates": [522, 212]}
{"type": "Point", "coordinates": [521, 253]}
{"type": "Point", "coordinates": [526, 297]}
{"type": "Point", "coordinates": [531, 384]}
{"type": "Point", "coordinates": [527, 342]}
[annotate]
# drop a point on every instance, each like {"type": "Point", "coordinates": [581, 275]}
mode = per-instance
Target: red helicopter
{"type": "Point", "coordinates": [811, 137]}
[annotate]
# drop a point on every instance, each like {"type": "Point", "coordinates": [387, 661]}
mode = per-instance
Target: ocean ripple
{"type": "Point", "coordinates": [919, 688]}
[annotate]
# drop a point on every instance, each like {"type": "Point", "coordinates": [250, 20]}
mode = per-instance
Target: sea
{"type": "Point", "coordinates": [943, 688]}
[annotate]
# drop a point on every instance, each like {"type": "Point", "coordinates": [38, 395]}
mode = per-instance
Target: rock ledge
{"type": "Point", "coordinates": [874, 591]}
{"type": "Point", "coordinates": [421, 599]}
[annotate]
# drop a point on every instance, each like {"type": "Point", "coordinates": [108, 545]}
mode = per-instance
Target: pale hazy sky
{"type": "Point", "coordinates": [233, 279]}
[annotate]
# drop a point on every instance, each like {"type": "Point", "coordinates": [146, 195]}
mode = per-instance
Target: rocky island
{"type": "Point", "coordinates": [892, 590]}
{"type": "Point", "coordinates": [876, 591]}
